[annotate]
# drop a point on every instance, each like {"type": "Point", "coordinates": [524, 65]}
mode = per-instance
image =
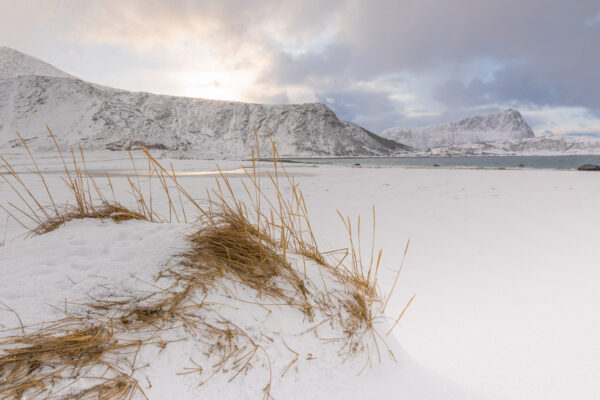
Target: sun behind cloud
{"type": "Point", "coordinates": [212, 85]}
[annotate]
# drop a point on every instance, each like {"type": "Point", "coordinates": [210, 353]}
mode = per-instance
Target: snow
{"type": "Point", "coordinates": [91, 259]}
{"type": "Point", "coordinates": [72, 264]}
{"type": "Point", "coordinates": [503, 264]}
{"type": "Point", "coordinates": [508, 124]}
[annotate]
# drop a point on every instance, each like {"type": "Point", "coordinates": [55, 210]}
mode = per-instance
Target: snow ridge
{"type": "Point", "coordinates": [33, 93]}
{"type": "Point", "coordinates": [506, 125]}
{"type": "Point", "coordinates": [13, 63]}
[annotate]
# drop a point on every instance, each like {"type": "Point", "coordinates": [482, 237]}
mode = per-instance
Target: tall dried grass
{"type": "Point", "coordinates": [260, 237]}
{"type": "Point", "coordinates": [87, 199]}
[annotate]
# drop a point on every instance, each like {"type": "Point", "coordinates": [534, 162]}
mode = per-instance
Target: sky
{"type": "Point", "coordinates": [379, 64]}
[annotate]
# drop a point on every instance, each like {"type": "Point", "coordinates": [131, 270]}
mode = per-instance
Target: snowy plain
{"type": "Point", "coordinates": [504, 265]}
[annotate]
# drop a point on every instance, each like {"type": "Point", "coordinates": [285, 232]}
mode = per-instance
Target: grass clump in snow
{"type": "Point", "coordinates": [87, 199]}
{"type": "Point", "coordinates": [66, 351]}
{"type": "Point", "coordinates": [105, 210]}
{"type": "Point", "coordinates": [260, 239]}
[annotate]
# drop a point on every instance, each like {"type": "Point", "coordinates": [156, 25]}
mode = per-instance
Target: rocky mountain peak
{"type": "Point", "coordinates": [504, 125]}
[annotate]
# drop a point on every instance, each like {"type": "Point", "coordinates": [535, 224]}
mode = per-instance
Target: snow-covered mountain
{"type": "Point", "coordinates": [33, 93]}
{"type": "Point", "coordinates": [505, 125]}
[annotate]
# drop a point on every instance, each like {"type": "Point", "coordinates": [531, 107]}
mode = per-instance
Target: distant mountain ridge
{"type": "Point", "coordinates": [34, 93]}
{"type": "Point", "coordinates": [538, 146]}
{"type": "Point", "coordinates": [506, 125]}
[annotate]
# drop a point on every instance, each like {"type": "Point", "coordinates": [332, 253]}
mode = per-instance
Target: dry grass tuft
{"type": "Point", "coordinates": [149, 314]}
{"type": "Point", "coordinates": [229, 246]}
{"type": "Point", "coordinates": [107, 210]}
{"type": "Point", "coordinates": [122, 386]}
{"type": "Point", "coordinates": [51, 358]}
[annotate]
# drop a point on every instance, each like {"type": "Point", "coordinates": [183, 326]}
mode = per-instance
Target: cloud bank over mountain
{"type": "Point", "coordinates": [376, 63]}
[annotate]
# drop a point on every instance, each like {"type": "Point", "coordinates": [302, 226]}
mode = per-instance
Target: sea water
{"type": "Point", "coordinates": [535, 162]}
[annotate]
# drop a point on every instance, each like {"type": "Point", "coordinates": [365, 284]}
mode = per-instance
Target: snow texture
{"type": "Point", "coordinates": [504, 264]}
{"type": "Point", "coordinates": [508, 124]}
{"type": "Point", "coordinates": [33, 93]}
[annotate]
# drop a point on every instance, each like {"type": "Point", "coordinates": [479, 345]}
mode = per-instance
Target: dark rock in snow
{"type": "Point", "coordinates": [589, 167]}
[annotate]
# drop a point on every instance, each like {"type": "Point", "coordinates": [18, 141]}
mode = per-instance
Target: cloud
{"type": "Point", "coordinates": [541, 51]}
{"type": "Point", "coordinates": [383, 62]}
{"type": "Point", "coordinates": [372, 109]}
{"type": "Point", "coordinates": [513, 84]}
{"type": "Point", "coordinates": [523, 84]}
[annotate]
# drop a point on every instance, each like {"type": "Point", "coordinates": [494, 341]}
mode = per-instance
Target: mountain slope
{"type": "Point", "coordinates": [505, 125]}
{"type": "Point", "coordinates": [33, 94]}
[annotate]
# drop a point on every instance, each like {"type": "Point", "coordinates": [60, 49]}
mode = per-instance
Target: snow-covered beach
{"type": "Point", "coordinates": [285, 200]}
{"type": "Point", "coordinates": [503, 264]}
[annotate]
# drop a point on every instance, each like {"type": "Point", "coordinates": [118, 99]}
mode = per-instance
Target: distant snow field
{"type": "Point", "coordinates": [504, 265]}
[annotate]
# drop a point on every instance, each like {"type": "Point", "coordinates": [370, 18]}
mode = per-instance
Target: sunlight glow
{"type": "Point", "coordinates": [214, 85]}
